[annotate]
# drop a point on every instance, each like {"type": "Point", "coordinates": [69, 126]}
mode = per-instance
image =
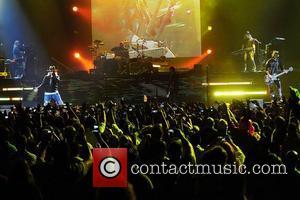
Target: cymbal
{"type": "Point", "coordinates": [91, 48]}
{"type": "Point", "coordinates": [125, 42]}
{"type": "Point", "coordinates": [98, 42]}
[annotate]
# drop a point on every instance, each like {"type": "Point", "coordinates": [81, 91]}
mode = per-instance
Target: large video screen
{"type": "Point", "coordinates": [155, 28]}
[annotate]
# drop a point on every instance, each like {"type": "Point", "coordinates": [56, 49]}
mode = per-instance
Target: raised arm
{"type": "Point", "coordinates": [101, 118]}
{"type": "Point", "coordinates": [42, 83]}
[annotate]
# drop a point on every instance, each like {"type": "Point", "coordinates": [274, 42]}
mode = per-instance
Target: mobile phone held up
{"type": "Point", "coordinates": [96, 129]}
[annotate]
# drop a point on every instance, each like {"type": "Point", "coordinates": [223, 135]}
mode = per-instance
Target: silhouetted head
{"type": "Point", "coordinates": [215, 155]}
{"type": "Point", "coordinates": [21, 142]}
{"type": "Point", "coordinates": [175, 150]}
{"type": "Point", "coordinates": [280, 122]}
{"type": "Point", "coordinates": [291, 159]}
{"type": "Point", "coordinates": [70, 134]}
{"type": "Point", "coordinates": [222, 126]}
{"type": "Point", "coordinates": [52, 68]}
{"type": "Point", "coordinates": [4, 134]}
{"type": "Point", "coordinates": [61, 152]}
{"type": "Point", "coordinates": [156, 132]}
{"type": "Point", "coordinates": [275, 54]}
{"type": "Point", "coordinates": [209, 122]}
{"type": "Point", "coordinates": [172, 69]}
{"type": "Point", "coordinates": [17, 43]}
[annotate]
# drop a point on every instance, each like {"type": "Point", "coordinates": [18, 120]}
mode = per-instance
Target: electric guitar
{"type": "Point", "coordinates": [14, 61]}
{"type": "Point", "coordinates": [244, 50]}
{"type": "Point", "coordinates": [269, 79]}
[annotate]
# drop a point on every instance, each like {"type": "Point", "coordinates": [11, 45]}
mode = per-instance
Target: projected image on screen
{"type": "Point", "coordinates": [153, 28]}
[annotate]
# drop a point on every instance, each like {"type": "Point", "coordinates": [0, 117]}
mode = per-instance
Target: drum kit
{"type": "Point", "coordinates": [128, 54]}
{"type": "Point", "coordinates": [95, 48]}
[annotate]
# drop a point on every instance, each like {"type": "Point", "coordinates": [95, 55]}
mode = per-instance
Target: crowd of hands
{"type": "Point", "coordinates": [58, 140]}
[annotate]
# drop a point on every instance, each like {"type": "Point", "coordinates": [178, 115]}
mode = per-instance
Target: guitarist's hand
{"type": "Point", "coordinates": [10, 61]}
{"type": "Point", "coordinates": [36, 89]}
{"type": "Point", "coordinates": [270, 76]}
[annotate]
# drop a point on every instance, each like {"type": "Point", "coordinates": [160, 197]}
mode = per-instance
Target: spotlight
{"type": "Point", "coordinates": [75, 9]}
{"type": "Point", "coordinates": [208, 51]}
{"type": "Point", "coordinates": [239, 93]}
{"type": "Point", "coordinates": [77, 55]}
{"type": "Point", "coordinates": [188, 11]}
{"type": "Point", "coordinates": [226, 83]}
{"type": "Point", "coordinates": [209, 28]}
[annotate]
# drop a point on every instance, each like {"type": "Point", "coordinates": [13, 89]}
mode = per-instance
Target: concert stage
{"type": "Point", "coordinates": [191, 86]}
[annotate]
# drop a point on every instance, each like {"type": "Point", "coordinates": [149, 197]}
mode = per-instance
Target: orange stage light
{"type": "Point", "coordinates": [75, 9]}
{"type": "Point", "coordinates": [198, 59]}
{"type": "Point", "coordinates": [77, 55]}
{"type": "Point", "coordinates": [208, 51]}
{"type": "Point", "coordinates": [85, 62]}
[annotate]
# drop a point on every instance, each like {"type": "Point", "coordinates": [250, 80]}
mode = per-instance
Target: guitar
{"type": "Point", "coordinates": [244, 50]}
{"type": "Point", "coordinates": [14, 61]}
{"type": "Point", "coordinates": [269, 79]}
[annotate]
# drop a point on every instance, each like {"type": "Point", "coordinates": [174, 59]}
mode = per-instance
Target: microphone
{"type": "Point", "coordinates": [280, 38]}
{"type": "Point", "coordinates": [257, 41]}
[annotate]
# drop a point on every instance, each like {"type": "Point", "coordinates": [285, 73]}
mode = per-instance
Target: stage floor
{"type": "Point", "coordinates": [82, 87]}
{"type": "Point", "coordinates": [191, 87]}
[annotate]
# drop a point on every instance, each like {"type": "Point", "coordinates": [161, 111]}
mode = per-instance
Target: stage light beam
{"type": "Point", "coordinates": [239, 93]}
{"type": "Point", "coordinates": [85, 62]}
{"type": "Point", "coordinates": [199, 58]}
{"type": "Point", "coordinates": [226, 83]}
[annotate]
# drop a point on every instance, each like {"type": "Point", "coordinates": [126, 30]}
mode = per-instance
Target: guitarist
{"type": "Point", "coordinates": [273, 67]}
{"type": "Point", "coordinates": [18, 60]}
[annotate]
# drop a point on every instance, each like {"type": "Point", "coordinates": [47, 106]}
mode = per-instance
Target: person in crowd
{"type": "Point", "coordinates": [45, 152]}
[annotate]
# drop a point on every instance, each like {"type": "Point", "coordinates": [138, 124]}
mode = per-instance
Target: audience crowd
{"type": "Point", "coordinates": [46, 152]}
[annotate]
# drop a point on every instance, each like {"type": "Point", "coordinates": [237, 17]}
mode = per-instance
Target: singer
{"type": "Point", "coordinates": [50, 82]}
{"type": "Point", "coordinates": [249, 48]}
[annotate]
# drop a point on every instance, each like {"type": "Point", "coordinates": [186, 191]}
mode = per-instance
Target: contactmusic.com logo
{"type": "Point", "coordinates": [110, 167]}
